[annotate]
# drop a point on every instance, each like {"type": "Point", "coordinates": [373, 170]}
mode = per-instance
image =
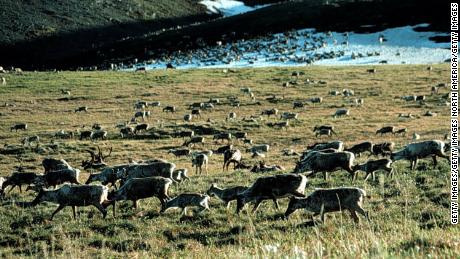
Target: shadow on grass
{"type": "Point", "coordinates": [128, 245]}
{"type": "Point", "coordinates": [306, 224]}
{"type": "Point", "coordinates": [218, 238]}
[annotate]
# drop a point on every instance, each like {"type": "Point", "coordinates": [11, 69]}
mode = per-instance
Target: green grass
{"type": "Point", "coordinates": [410, 214]}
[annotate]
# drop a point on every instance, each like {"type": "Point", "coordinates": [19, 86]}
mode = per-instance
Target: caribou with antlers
{"type": "Point", "coordinates": [97, 161]}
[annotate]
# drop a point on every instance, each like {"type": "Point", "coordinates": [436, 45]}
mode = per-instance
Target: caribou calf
{"type": "Point", "coordinates": [226, 195]}
{"type": "Point", "coordinates": [371, 166]}
{"type": "Point", "coordinates": [185, 200]}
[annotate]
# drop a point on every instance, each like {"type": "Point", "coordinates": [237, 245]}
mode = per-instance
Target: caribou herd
{"type": "Point", "coordinates": [60, 182]}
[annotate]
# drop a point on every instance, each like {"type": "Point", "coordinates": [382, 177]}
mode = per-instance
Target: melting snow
{"type": "Point", "coordinates": [228, 7]}
{"type": "Point", "coordinates": [400, 45]}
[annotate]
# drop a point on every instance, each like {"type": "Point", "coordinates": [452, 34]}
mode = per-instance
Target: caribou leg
{"type": "Point", "coordinates": [57, 210]}
{"type": "Point", "coordinates": [74, 213]}
{"type": "Point", "coordinates": [367, 176]}
{"type": "Point", "coordinates": [391, 172]}
{"type": "Point", "coordinates": [435, 162]}
{"type": "Point", "coordinates": [277, 206]}
{"type": "Point", "coordinates": [12, 187]}
{"type": "Point", "coordinates": [256, 205]}
{"type": "Point", "coordinates": [354, 216]}
{"type": "Point", "coordinates": [362, 212]}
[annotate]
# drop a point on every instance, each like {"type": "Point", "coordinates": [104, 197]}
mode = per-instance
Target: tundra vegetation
{"type": "Point", "coordinates": [409, 214]}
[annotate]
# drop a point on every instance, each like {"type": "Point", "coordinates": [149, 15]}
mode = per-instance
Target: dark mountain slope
{"type": "Point", "coordinates": [108, 44]}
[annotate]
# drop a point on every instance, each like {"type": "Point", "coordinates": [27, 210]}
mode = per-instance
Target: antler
{"type": "Point", "coordinates": [19, 158]}
{"type": "Point", "coordinates": [20, 168]}
{"type": "Point", "coordinates": [110, 152]}
{"type": "Point", "coordinates": [92, 156]}
{"type": "Point", "coordinates": [99, 154]}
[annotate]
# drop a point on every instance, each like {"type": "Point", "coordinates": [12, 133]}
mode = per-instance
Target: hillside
{"type": "Point", "coordinates": [340, 17]}
{"type": "Point", "coordinates": [45, 29]}
{"type": "Point", "coordinates": [48, 34]}
{"type": "Point", "coordinates": [26, 20]}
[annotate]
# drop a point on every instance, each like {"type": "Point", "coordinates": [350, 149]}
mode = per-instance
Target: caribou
{"type": "Point", "coordinates": [97, 161]}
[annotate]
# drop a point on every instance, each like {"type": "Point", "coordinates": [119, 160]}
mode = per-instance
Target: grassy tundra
{"type": "Point", "coordinates": [409, 214]}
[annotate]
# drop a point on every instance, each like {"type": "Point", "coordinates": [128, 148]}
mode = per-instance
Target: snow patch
{"type": "Point", "coordinates": [228, 7]}
{"type": "Point", "coordinates": [401, 45]}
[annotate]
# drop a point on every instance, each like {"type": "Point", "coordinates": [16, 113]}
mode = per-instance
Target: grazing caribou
{"type": "Point", "coordinates": [418, 150]}
{"type": "Point", "coordinates": [323, 201]}
{"type": "Point", "coordinates": [140, 188]}
{"type": "Point", "coordinates": [19, 126]}
{"type": "Point", "coordinates": [231, 156]}
{"type": "Point", "coordinates": [371, 166]}
{"type": "Point", "coordinates": [272, 188]}
{"type": "Point", "coordinates": [226, 195]}
{"type": "Point", "coordinates": [75, 195]}
{"type": "Point", "coordinates": [185, 200]}
{"type": "Point", "coordinates": [318, 161]}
